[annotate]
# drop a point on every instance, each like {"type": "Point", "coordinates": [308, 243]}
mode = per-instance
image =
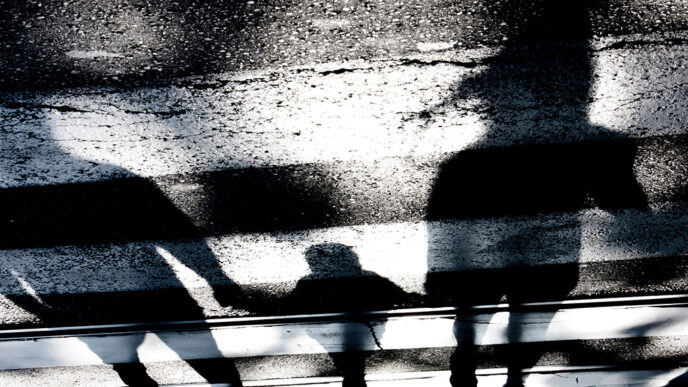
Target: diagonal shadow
{"type": "Point", "coordinates": [125, 208]}
{"type": "Point", "coordinates": [115, 211]}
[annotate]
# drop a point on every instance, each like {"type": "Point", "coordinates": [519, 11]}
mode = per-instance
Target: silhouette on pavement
{"type": "Point", "coordinates": [535, 90]}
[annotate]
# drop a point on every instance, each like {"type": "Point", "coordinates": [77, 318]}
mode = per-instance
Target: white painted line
{"type": "Point", "coordinates": [326, 337]}
{"type": "Point", "coordinates": [415, 248]}
{"type": "Point", "coordinates": [434, 46]}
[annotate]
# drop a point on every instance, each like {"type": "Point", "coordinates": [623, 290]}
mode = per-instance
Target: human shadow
{"type": "Point", "coordinates": [119, 211]}
{"type": "Point", "coordinates": [90, 204]}
{"type": "Point", "coordinates": [133, 215]}
{"type": "Point", "coordinates": [347, 297]}
{"type": "Point", "coordinates": [498, 208]}
{"type": "Point", "coordinates": [338, 284]}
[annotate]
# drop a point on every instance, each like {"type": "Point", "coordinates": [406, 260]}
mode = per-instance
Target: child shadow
{"type": "Point", "coordinates": [536, 91]}
{"type": "Point", "coordinates": [344, 296]}
{"type": "Point", "coordinates": [338, 284]}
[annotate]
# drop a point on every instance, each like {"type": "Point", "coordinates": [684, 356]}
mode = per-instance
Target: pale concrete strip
{"type": "Point", "coordinates": [540, 376]}
{"type": "Point", "coordinates": [616, 322]}
{"type": "Point", "coordinates": [402, 252]}
{"type": "Point", "coordinates": [296, 116]}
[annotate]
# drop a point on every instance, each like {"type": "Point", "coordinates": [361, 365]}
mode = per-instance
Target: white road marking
{"type": "Point", "coordinates": [434, 46]}
{"type": "Point", "coordinates": [402, 252]}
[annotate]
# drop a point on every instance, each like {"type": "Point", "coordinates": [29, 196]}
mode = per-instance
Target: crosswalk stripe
{"type": "Point", "coordinates": [414, 249]}
{"type": "Point", "coordinates": [541, 179]}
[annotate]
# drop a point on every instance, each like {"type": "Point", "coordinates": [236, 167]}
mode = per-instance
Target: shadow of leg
{"type": "Point", "coordinates": [134, 374]}
{"type": "Point", "coordinates": [124, 359]}
{"type": "Point", "coordinates": [528, 285]}
{"type": "Point", "coordinates": [221, 370]}
{"type": "Point", "coordinates": [517, 357]}
{"type": "Point", "coordinates": [351, 362]}
{"type": "Point", "coordinates": [463, 361]}
{"type": "Point", "coordinates": [351, 366]}
{"type": "Point", "coordinates": [215, 368]}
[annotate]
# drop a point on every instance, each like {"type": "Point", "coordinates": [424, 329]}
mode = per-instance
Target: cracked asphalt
{"type": "Point", "coordinates": [183, 148]}
{"type": "Point", "coordinates": [209, 113]}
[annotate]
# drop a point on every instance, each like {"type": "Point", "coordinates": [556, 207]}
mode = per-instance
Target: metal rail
{"type": "Point", "coordinates": [673, 300]}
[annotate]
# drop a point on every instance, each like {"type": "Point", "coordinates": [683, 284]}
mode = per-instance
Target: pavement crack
{"type": "Point", "coordinates": [163, 114]}
{"type": "Point", "coordinates": [435, 62]}
{"type": "Point", "coordinates": [643, 43]}
{"type": "Point", "coordinates": [371, 328]}
{"type": "Point", "coordinates": [222, 83]}
{"type": "Point", "coordinates": [218, 84]}
{"type": "Point", "coordinates": [338, 71]}
{"type": "Point", "coordinates": [59, 108]}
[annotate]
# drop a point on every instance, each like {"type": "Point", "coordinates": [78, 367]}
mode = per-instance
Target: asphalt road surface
{"type": "Point", "coordinates": [76, 42]}
{"type": "Point", "coordinates": [192, 160]}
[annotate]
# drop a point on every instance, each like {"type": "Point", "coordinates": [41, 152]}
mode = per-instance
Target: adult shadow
{"type": "Point", "coordinates": [113, 206]}
{"type": "Point", "coordinates": [110, 212]}
{"type": "Point", "coordinates": [512, 201]}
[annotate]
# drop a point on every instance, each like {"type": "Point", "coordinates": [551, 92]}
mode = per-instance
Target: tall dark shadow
{"type": "Point", "coordinates": [131, 209]}
{"type": "Point", "coordinates": [536, 91]}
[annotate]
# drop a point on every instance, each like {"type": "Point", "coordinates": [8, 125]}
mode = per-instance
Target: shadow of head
{"type": "Point", "coordinates": [537, 87]}
{"type": "Point", "coordinates": [332, 257]}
